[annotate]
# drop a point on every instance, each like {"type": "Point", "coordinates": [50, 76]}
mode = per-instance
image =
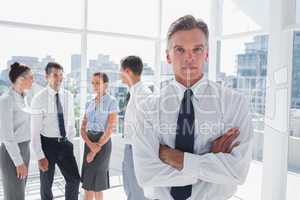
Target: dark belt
{"type": "Point", "coordinates": [55, 139]}
{"type": "Point", "coordinates": [93, 132]}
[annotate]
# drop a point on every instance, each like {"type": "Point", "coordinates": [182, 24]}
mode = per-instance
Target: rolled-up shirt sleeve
{"type": "Point", "coordinates": [226, 168]}
{"type": "Point", "coordinates": [150, 170]}
{"type": "Point", "coordinates": [37, 127]}
{"type": "Point", "coordinates": [7, 129]}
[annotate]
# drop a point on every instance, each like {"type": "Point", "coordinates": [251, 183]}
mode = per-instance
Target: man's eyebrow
{"type": "Point", "coordinates": [177, 46]}
{"type": "Point", "coordinates": [200, 45]}
{"type": "Point", "coordinates": [180, 46]}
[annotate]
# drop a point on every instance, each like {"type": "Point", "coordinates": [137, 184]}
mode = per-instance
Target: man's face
{"type": "Point", "coordinates": [55, 78]}
{"type": "Point", "coordinates": [125, 75]}
{"type": "Point", "coordinates": [187, 52]}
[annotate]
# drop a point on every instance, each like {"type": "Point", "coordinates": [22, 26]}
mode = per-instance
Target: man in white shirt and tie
{"type": "Point", "coordinates": [53, 129]}
{"type": "Point", "coordinates": [194, 139]}
{"type": "Point", "coordinates": [131, 72]}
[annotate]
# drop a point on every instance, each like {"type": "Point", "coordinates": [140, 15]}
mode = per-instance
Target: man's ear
{"type": "Point", "coordinates": [127, 70]}
{"type": "Point", "coordinates": [168, 57]}
{"type": "Point", "coordinates": [128, 73]}
{"type": "Point", "coordinates": [206, 56]}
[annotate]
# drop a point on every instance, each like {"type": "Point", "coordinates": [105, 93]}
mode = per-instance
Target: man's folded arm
{"type": "Point", "coordinates": [150, 170]}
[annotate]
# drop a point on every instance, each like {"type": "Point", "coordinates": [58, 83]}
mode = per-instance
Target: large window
{"type": "Point", "coordinates": [244, 67]}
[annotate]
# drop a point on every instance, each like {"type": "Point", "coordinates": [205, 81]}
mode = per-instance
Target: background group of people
{"type": "Point", "coordinates": [49, 124]}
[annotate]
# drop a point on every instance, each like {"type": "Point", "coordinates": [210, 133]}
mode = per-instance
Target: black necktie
{"type": "Point", "coordinates": [127, 99]}
{"type": "Point", "coordinates": [60, 116]}
{"type": "Point", "coordinates": [185, 139]}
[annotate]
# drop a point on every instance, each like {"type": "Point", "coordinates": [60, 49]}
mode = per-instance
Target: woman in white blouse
{"type": "Point", "coordinates": [15, 133]}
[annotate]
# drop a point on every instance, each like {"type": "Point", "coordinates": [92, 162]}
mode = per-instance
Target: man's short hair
{"type": "Point", "coordinates": [186, 23]}
{"type": "Point", "coordinates": [134, 63]}
{"type": "Point", "coordinates": [53, 65]}
{"type": "Point", "coordinates": [103, 76]}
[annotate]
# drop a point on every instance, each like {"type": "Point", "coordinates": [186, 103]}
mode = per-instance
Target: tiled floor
{"type": "Point", "coordinates": [251, 190]}
{"type": "Point", "coordinates": [115, 193]}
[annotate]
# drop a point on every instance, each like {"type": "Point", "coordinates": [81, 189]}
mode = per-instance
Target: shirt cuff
{"type": "Point", "coordinates": [40, 155]}
{"type": "Point", "coordinates": [18, 161]}
{"type": "Point", "coordinates": [190, 167]}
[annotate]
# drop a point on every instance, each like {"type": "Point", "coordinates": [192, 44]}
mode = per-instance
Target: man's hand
{"type": "Point", "coordinates": [175, 157]}
{"type": "Point", "coordinates": [172, 157]}
{"type": "Point", "coordinates": [43, 164]}
{"type": "Point", "coordinates": [22, 171]}
{"type": "Point", "coordinates": [224, 144]}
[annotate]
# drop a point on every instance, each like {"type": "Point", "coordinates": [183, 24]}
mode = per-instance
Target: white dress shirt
{"type": "Point", "coordinates": [14, 123]}
{"type": "Point", "coordinates": [44, 120]}
{"type": "Point", "coordinates": [138, 93]}
{"type": "Point", "coordinates": [213, 176]}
